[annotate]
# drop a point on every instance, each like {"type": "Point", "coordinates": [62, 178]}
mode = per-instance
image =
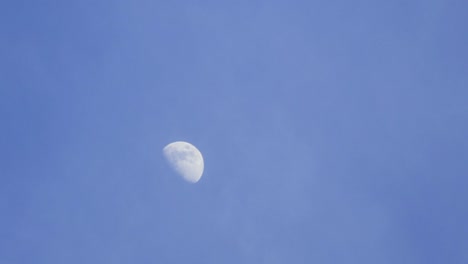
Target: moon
{"type": "Point", "coordinates": [185, 159]}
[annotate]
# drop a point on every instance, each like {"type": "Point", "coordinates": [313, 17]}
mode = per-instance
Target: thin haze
{"type": "Point", "coordinates": [332, 131]}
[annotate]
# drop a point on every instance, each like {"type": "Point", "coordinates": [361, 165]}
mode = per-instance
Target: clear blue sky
{"type": "Point", "coordinates": [332, 131]}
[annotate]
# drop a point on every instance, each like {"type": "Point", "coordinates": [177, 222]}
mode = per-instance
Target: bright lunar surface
{"type": "Point", "coordinates": [185, 159]}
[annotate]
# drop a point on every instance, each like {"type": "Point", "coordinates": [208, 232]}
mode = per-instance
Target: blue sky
{"type": "Point", "coordinates": [332, 131]}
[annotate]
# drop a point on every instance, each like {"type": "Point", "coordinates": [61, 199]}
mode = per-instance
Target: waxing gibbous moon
{"type": "Point", "coordinates": [185, 159]}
